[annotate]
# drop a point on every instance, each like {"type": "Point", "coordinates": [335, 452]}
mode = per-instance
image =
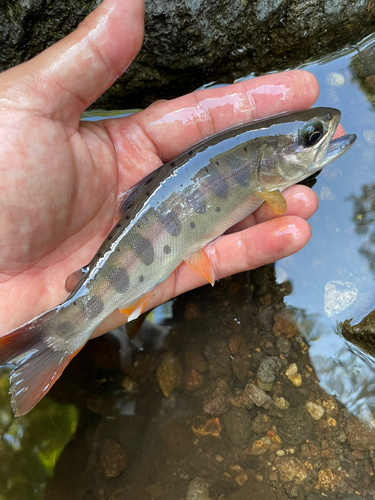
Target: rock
{"type": "Point", "coordinates": [260, 446]}
{"type": "Point", "coordinates": [285, 324]}
{"type": "Point", "coordinates": [112, 458]}
{"type": "Point", "coordinates": [217, 354]}
{"type": "Point", "coordinates": [258, 396]}
{"type": "Point", "coordinates": [295, 426]}
{"type": "Point", "coordinates": [283, 345]}
{"type": "Point", "coordinates": [267, 372]}
{"type": "Point", "coordinates": [240, 367]}
{"type": "Point", "coordinates": [280, 403]}
{"type": "Point", "coordinates": [327, 480]}
{"type": "Point", "coordinates": [188, 42]}
{"type": "Point", "coordinates": [192, 379]}
{"type": "Point", "coordinates": [360, 437]}
{"type": "Point", "coordinates": [237, 423]}
{"type": "Point", "coordinates": [241, 400]}
{"type": "Point", "coordinates": [237, 344]}
{"type": "Point", "coordinates": [198, 490]}
{"type": "Point", "coordinates": [169, 374]}
{"type": "Point", "coordinates": [290, 469]}
{"type": "Point", "coordinates": [261, 423]}
{"type": "Point", "coordinates": [218, 400]}
{"type": "Point", "coordinates": [316, 411]}
{"type": "Point", "coordinates": [253, 489]}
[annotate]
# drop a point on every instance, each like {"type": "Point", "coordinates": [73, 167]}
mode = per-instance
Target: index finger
{"type": "Point", "coordinates": [174, 126]}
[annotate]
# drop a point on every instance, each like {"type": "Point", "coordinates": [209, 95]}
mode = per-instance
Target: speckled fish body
{"type": "Point", "coordinates": [169, 217]}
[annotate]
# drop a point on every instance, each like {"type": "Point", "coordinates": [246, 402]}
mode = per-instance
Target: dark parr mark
{"type": "Point", "coordinates": [143, 248]}
{"type": "Point", "coordinates": [218, 209]}
{"type": "Point", "coordinates": [119, 279]}
{"type": "Point", "coordinates": [219, 185]}
{"type": "Point", "coordinates": [192, 225]}
{"type": "Point", "coordinates": [172, 164]}
{"type": "Point", "coordinates": [241, 175]}
{"type": "Point", "coordinates": [141, 278]}
{"type": "Point", "coordinates": [167, 249]}
{"type": "Point", "coordinates": [172, 223]}
{"type": "Point", "coordinates": [94, 306]}
{"type": "Point", "coordinates": [149, 180]}
{"type": "Point", "coordinates": [196, 201]}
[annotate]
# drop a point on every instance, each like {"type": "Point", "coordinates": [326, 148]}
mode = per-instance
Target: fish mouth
{"type": "Point", "coordinates": [337, 147]}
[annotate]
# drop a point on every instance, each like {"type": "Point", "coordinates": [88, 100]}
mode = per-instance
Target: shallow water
{"type": "Point", "coordinates": [107, 431]}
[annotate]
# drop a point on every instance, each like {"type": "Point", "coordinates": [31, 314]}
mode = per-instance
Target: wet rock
{"type": "Point", "coordinates": [211, 427]}
{"type": "Point", "coordinates": [283, 345]}
{"type": "Point", "coordinates": [194, 359]}
{"type": "Point", "coordinates": [267, 372]}
{"type": "Point", "coordinates": [260, 446]}
{"type": "Point", "coordinates": [240, 367]}
{"type": "Point", "coordinates": [169, 374]}
{"type": "Point", "coordinates": [316, 411]}
{"type": "Point", "coordinates": [198, 490]}
{"type": "Point", "coordinates": [112, 458]}
{"type": "Point", "coordinates": [360, 437]}
{"type": "Point", "coordinates": [218, 400]}
{"type": "Point", "coordinates": [290, 469]}
{"type": "Point", "coordinates": [237, 422]}
{"type": "Point", "coordinates": [258, 396]}
{"type": "Point", "coordinates": [261, 423]}
{"type": "Point", "coordinates": [327, 480]}
{"type": "Point", "coordinates": [237, 344]}
{"type": "Point", "coordinates": [338, 296]}
{"type": "Point", "coordinates": [142, 366]}
{"type": "Point", "coordinates": [295, 426]}
{"type": "Point", "coordinates": [192, 311]}
{"type": "Point", "coordinates": [253, 489]}
{"type": "Point", "coordinates": [192, 379]}
{"type": "Point", "coordinates": [218, 356]}
{"type": "Point", "coordinates": [280, 403]}
{"type": "Point", "coordinates": [285, 324]}
{"type": "Point", "coordinates": [241, 400]}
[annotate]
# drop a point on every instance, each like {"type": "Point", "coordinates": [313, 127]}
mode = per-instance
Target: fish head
{"type": "Point", "coordinates": [302, 145]}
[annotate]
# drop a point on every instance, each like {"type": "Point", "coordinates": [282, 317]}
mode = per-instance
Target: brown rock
{"type": "Point", "coordinates": [290, 469]}
{"type": "Point", "coordinates": [218, 401]}
{"type": "Point", "coordinates": [327, 480]}
{"type": "Point", "coordinates": [285, 324]}
{"type": "Point", "coordinates": [360, 437]}
{"type": "Point", "coordinates": [169, 374]}
{"type": "Point", "coordinates": [112, 458]}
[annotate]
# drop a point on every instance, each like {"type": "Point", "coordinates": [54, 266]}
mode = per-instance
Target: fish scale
{"type": "Point", "coordinates": [166, 219]}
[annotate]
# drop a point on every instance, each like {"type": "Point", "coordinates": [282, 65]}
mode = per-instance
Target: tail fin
{"type": "Point", "coordinates": [38, 360]}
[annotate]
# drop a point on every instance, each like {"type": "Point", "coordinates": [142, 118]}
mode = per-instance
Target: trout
{"type": "Point", "coordinates": [167, 218]}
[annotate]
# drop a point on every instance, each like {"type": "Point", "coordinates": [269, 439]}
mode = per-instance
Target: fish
{"type": "Point", "coordinates": [168, 218]}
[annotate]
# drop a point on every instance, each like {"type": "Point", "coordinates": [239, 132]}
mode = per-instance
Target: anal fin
{"type": "Point", "coordinates": [201, 264]}
{"type": "Point", "coordinates": [275, 200]}
{"type": "Point", "coordinates": [135, 309]}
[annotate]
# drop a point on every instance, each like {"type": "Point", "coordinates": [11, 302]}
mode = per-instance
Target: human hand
{"type": "Point", "coordinates": [61, 178]}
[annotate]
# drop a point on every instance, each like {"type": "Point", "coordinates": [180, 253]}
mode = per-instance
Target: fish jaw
{"type": "Point", "coordinates": [337, 147]}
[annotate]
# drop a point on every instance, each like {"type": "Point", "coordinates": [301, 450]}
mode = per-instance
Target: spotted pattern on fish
{"type": "Point", "coordinates": [192, 225]}
{"type": "Point", "coordinates": [167, 249]}
{"type": "Point", "coordinates": [94, 306]}
{"type": "Point", "coordinates": [219, 185]}
{"type": "Point", "coordinates": [171, 223]}
{"type": "Point", "coordinates": [143, 248]}
{"type": "Point", "coordinates": [119, 279]}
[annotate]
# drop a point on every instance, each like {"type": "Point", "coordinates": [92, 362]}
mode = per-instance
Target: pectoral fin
{"type": "Point", "coordinates": [275, 200]}
{"type": "Point", "coordinates": [202, 265]}
{"type": "Point", "coordinates": [135, 309]}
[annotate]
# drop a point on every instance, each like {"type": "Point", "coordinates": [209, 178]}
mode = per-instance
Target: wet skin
{"type": "Point", "coordinates": [61, 179]}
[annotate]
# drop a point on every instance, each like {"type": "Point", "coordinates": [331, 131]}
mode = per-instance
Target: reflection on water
{"type": "Point", "coordinates": [220, 401]}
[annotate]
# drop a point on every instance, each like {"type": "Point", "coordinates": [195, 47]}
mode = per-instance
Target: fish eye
{"type": "Point", "coordinates": [311, 133]}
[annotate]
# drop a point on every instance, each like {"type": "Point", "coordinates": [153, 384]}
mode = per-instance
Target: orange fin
{"type": "Point", "coordinates": [202, 265]}
{"type": "Point", "coordinates": [275, 200]}
{"type": "Point", "coordinates": [38, 363]}
{"type": "Point", "coordinates": [73, 279]}
{"type": "Point", "coordinates": [135, 309]}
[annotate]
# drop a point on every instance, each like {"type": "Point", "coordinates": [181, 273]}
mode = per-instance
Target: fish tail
{"type": "Point", "coordinates": [39, 355]}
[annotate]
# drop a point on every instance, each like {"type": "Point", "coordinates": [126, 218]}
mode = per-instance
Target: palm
{"type": "Point", "coordinates": [60, 180]}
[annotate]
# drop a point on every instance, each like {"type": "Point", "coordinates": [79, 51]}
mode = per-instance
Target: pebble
{"type": "Point", "coordinates": [285, 324]}
{"type": "Point", "coordinates": [237, 344]}
{"type": "Point", "coordinates": [241, 400]}
{"type": "Point", "coordinates": [295, 426]}
{"type": "Point", "coordinates": [316, 411]}
{"type": "Point", "coordinates": [338, 296]}
{"type": "Point", "coordinates": [240, 367]}
{"type": "Point", "coordinates": [217, 354]}
{"type": "Point", "coordinates": [291, 370]}
{"type": "Point", "coordinates": [258, 396]}
{"type": "Point", "coordinates": [169, 374]}
{"type": "Point", "coordinates": [112, 458]}
{"type": "Point", "coordinates": [192, 379]}
{"type": "Point", "coordinates": [335, 79]}
{"type": "Point", "coordinates": [237, 422]}
{"type": "Point", "coordinates": [267, 372]}
{"type": "Point", "coordinates": [218, 401]}
{"type": "Point", "coordinates": [198, 490]}
{"type": "Point", "coordinates": [211, 427]}
{"type": "Point", "coordinates": [280, 403]}
{"type": "Point", "coordinates": [327, 480]}
{"type": "Point", "coordinates": [259, 446]}
{"type": "Point", "coordinates": [283, 345]}
{"type": "Point", "coordinates": [261, 423]}
{"type": "Point", "coordinates": [296, 379]}
{"type": "Point", "coordinates": [290, 469]}
{"type": "Point", "coordinates": [359, 436]}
